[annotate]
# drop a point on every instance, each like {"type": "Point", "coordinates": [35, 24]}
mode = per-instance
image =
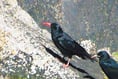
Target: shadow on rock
{"type": "Point", "coordinates": [88, 76]}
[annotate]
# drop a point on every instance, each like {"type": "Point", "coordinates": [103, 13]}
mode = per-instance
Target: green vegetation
{"type": "Point", "coordinates": [115, 55]}
{"type": "Point", "coordinates": [105, 77]}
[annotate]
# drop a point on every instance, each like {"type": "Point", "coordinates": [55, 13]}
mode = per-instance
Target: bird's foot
{"type": "Point", "coordinates": [94, 56]}
{"type": "Point", "coordinates": [65, 65]}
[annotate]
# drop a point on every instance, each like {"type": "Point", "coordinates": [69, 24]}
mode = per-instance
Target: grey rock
{"type": "Point", "coordinates": [22, 53]}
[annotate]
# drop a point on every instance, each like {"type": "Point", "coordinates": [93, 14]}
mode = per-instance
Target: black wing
{"type": "Point", "coordinates": [66, 42]}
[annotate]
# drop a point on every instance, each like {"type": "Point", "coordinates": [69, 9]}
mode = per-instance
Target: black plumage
{"type": "Point", "coordinates": [66, 44]}
{"type": "Point", "coordinates": [108, 65]}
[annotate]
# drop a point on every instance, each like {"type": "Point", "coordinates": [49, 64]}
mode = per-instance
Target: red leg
{"type": "Point", "coordinates": [66, 65]}
{"type": "Point", "coordinates": [94, 56]}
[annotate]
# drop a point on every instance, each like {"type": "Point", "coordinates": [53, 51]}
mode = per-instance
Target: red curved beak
{"type": "Point", "coordinates": [48, 24]}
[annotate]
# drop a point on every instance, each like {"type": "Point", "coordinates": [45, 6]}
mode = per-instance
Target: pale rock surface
{"type": "Point", "coordinates": [20, 45]}
{"type": "Point", "coordinates": [22, 53]}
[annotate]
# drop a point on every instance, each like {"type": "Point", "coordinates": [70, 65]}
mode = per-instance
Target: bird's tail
{"type": "Point", "coordinates": [81, 52]}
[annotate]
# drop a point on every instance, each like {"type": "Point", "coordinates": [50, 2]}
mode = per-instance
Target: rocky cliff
{"type": "Point", "coordinates": [27, 51]}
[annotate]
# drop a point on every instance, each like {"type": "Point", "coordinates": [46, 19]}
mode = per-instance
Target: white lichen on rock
{"type": "Point", "coordinates": [22, 45]}
{"type": "Point", "coordinates": [89, 46]}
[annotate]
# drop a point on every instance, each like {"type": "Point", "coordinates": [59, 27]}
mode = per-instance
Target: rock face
{"type": "Point", "coordinates": [22, 53]}
{"type": "Point", "coordinates": [94, 20]}
{"type": "Point", "coordinates": [91, 20]}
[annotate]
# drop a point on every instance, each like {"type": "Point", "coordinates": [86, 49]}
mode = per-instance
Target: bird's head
{"type": "Point", "coordinates": [54, 26]}
{"type": "Point", "coordinates": [103, 55]}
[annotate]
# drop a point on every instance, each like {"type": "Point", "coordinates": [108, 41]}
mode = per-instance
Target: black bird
{"type": "Point", "coordinates": [65, 43]}
{"type": "Point", "coordinates": [108, 65]}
